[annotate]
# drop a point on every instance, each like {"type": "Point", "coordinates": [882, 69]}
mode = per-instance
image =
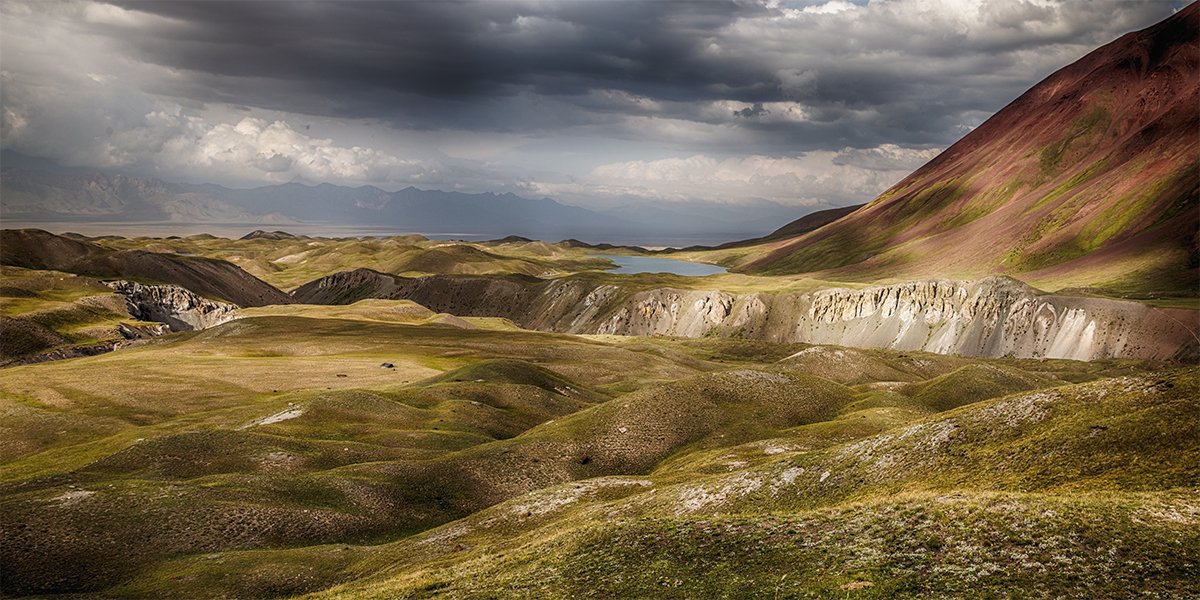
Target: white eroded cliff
{"type": "Point", "coordinates": [179, 308]}
{"type": "Point", "coordinates": [993, 317]}
{"type": "Point", "coordinates": [996, 316]}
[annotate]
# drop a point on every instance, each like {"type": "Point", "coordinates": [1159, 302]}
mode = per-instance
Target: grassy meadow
{"type": "Point", "coordinates": [273, 456]}
{"type": "Point", "coordinates": [383, 450]}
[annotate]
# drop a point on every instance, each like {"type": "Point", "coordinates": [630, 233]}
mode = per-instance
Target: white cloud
{"type": "Point", "coordinates": [829, 8]}
{"type": "Point", "coordinates": [885, 157]}
{"type": "Point", "coordinates": [812, 179]}
{"type": "Point", "coordinates": [274, 151]}
{"type": "Point", "coordinates": [108, 14]}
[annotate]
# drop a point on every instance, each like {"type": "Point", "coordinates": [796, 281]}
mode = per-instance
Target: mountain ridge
{"type": "Point", "coordinates": [36, 193]}
{"type": "Point", "coordinates": [1091, 177]}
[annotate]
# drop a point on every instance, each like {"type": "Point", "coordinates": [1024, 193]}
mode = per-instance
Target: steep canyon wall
{"type": "Point", "coordinates": [991, 317]}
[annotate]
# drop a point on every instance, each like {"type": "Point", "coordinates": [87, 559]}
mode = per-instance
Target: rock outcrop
{"type": "Point", "coordinates": [179, 308]}
{"type": "Point", "coordinates": [996, 316]}
{"type": "Point", "coordinates": [142, 331]}
{"type": "Point", "coordinates": [990, 317]}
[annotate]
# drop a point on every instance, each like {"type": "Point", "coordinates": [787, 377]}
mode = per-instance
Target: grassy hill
{"type": "Point", "coordinates": [288, 261]}
{"type": "Point", "coordinates": [374, 448]}
{"type": "Point", "coordinates": [275, 455]}
{"type": "Point", "coordinates": [51, 311]}
{"type": "Point", "coordinates": [212, 278]}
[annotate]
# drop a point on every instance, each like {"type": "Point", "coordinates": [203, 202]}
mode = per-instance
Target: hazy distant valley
{"type": "Point", "coordinates": [983, 383]}
{"type": "Point", "coordinates": [106, 202]}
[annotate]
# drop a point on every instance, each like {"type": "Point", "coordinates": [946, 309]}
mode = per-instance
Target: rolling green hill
{"type": "Point", "coordinates": [213, 278]}
{"type": "Point", "coordinates": [276, 455]}
{"type": "Point", "coordinates": [289, 261]}
{"type": "Point", "coordinates": [417, 418]}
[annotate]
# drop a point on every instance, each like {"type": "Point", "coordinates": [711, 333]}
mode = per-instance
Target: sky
{"type": "Point", "coordinates": [813, 103]}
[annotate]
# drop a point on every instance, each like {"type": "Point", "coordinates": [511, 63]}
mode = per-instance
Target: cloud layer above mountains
{"type": "Point", "coordinates": [808, 103]}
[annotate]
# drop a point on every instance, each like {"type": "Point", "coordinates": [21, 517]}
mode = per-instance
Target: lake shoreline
{"type": "Point", "coordinates": [629, 265]}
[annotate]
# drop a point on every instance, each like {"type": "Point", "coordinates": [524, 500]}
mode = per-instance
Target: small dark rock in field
{"type": "Point", "coordinates": [342, 375]}
{"type": "Point", "coordinates": [387, 366]}
{"type": "Point", "coordinates": [585, 460]}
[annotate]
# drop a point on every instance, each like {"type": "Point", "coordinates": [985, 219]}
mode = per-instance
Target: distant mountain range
{"type": "Point", "coordinates": [43, 194]}
{"type": "Point", "coordinates": [1091, 178]}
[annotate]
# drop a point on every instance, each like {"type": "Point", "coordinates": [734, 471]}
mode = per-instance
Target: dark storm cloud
{"type": "Point", "coordinates": [451, 50]}
{"type": "Point", "coordinates": [816, 99]}
{"type": "Point", "coordinates": [482, 65]}
{"type": "Point", "coordinates": [752, 111]}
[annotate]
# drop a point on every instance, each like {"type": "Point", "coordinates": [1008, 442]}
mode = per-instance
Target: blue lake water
{"type": "Point", "coordinates": [646, 264]}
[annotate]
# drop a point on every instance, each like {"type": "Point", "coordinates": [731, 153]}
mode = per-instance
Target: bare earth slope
{"type": "Point", "coordinates": [36, 249]}
{"type": "Point", "coordinates": [1089, 178]}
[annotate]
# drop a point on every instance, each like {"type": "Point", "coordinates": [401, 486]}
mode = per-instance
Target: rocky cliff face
{"type": "Point", "coordinates": [179, 308]}
{"type": "Point", "coordinates": [996, 316]}
{"type": "Point", "coordinates": [992, 317]}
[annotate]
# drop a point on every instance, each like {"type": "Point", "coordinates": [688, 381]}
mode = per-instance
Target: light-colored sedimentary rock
{"type": "Point", "coordinates": [179, 308]}
{"type": "Point", "coordinates": [996, 316]}
{"type": "Point", "coordinates": [992, 317]}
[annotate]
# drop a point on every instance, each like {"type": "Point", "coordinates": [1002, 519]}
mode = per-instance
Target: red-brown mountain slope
{"type": "Point", "coordinates": [1090, 178]}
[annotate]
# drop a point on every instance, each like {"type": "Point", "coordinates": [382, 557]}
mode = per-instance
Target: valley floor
{"type": "Point", "coordinates": [277, 456]}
